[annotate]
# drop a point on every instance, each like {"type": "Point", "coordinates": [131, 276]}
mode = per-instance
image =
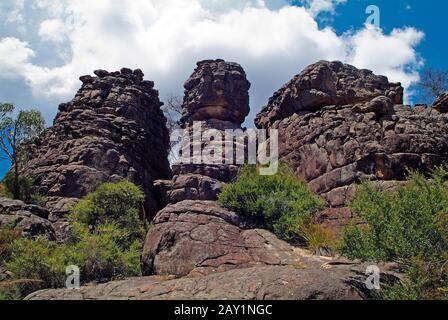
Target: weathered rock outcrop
{"type": "Point", "coordinates": [31, 220]}
{"type": "Point", "coordinates": [338, 125]}
{"type": "Point", "coordinates": [326, 84]}
{"type": "Point", "coordinates": [313, 279]}
{"type": "Point", "coordinates": [113, 129]}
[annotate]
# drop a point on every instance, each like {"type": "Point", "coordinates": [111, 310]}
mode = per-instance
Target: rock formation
{"type": "Point", "coordinates": [338, 125]}
{"type": "Point", "coordinates": [113, 129]}
{"type": "Point", "coordinates": [31, 220]}
{"type": "Point", "coordinates": [332, 114]}
{"type": "Point", "coordinates": [215, 252]}
{"type": "Point", "coordinates": [193, 234]}
{"type": "Point", "coordinates": [217, 91]}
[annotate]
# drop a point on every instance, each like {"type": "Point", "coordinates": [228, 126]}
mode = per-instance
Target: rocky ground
{"type": "Point", "coordinates": [310, 278]}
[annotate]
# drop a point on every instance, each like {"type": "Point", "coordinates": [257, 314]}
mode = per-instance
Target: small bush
{"type": "Point", "coordinates": [112, 202]}
{"type": "Point", "coordinates": [407, 225]}
{"type": "Point", "coordinates": [281, 203]}
{"type": "Point", "coordinates": [401, 224]}
{"type": "Point", "coordinates": [4, 192]}
{"type": "Point", "coordinates": [26, 190]}
{"type": "Point", "coordinates": [40, 261]}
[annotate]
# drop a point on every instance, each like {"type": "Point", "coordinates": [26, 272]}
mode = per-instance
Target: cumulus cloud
{"type": "Point", "coordinates": [271, 39]}
{"type": "Point", "coordinates": [393, 55]}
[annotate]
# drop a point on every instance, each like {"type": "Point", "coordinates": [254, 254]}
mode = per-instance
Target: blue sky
{"type": "Point", "coordinates": [428, 16]}
{"type": "Point", "coordinates": [45, 45]}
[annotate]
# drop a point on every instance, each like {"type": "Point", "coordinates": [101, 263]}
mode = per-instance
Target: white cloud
{"type": "Point", "coordinates": [272, 40]}
{"type": "Point", "coordinates": [53, 30]}
{"type": "Point", "coordinates": [392, 55]}
{"type": "Point", "coordinates": [16, 56]}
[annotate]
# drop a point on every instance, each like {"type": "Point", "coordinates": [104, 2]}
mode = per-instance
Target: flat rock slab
{"type": "Point", "coordinates": [327, 282]}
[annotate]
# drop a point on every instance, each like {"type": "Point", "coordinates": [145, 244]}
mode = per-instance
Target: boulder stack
{"type": "Point", "coordinates": [113, 129]}
{"type": "Point", "coordinates": [193, 235]}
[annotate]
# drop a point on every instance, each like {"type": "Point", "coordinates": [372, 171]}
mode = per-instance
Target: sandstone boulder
{"type": "Point", "coordinates": [200, 237]}
{"type": "Point", "coordinates": [324, 84]}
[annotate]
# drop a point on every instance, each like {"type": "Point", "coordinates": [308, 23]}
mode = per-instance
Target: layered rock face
{"type": "Point", "coordinates": [339, 125]}
{"type": "Point", "coordinates": [199, 250]}
{"type": "Point", "coordinates": [113, 129]}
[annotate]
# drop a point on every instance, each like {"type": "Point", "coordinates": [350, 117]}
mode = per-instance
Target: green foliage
{"type": "Point", "coordinates": [281, 203]}
{"type": "Point", "coordinates": [408, 225]}
{"type": "Point", "coordinates": [109, 248]}
{"type": "Point", "coordinates": [7, 238]}
{"type": "Point", "coordinates": [426, 280]}
{"type": "Point", "coordinates": [40, 260]}
{"type": "Point", "coordinates": [112, 202]}
{"type": "Point", "coordinates": [25, 185]}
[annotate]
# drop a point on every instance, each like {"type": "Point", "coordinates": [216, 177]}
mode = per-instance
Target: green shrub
{"type": "Point", "coordinates": [112, 202]}
{"type": "Point", "coordinates": [407, 225]}
{"type": "Point", "coordinates": [281, 203]}
{"type": "Point", "coordinates": [39, 261]}
{"type": "Point", "coordinates": [25, 187]}
{"type": "Point", "coordinates": [107, 253]}
{"type": "Point", "coordinates": [7, 238]}
{"type": "Point", "coordinates": [105, 242]}
{"type": "Point", "coordinates": [425, 280]}
{"type": "Point", "coordinates": [401, 224]}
